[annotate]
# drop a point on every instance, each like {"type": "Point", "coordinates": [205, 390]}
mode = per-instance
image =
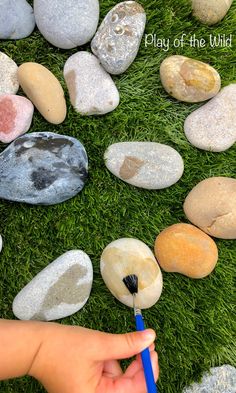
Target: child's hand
{"type": "Point", "coordinates": [77, 360]}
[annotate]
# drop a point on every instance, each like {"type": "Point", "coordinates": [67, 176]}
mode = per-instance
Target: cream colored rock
{"type": "Point", "coordinates": [44, 90]}
{"type": "Point", "coordinates": [210, 12]}
{"type": "Point", "coordinates": [183, 248]}
{"type": "Point", "coordinates": [128, 256]}
{"type": "Point", "coordinates": [211, 205]}
{"type": "Point", "coordinates": [189, 80]}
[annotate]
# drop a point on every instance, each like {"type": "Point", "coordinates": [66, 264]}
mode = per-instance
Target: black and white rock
{"type": "Point", "coordinates": [68, 23]}
{"type": "Point", "coordinates": [59, 290]}
{"type": "Point", "coordinates": [218, 380]}
{"type": "Point", "coordinates": [16, 19]}
{"type": "Point", "coordinates": [147, 165]}
{"type": "Point", "coordinates": [92, 90]}
{"type": "Point", "coordinates": [8, 75]}
{"type": "Point", "coordinates": [117, 40]}
{"type": "Point", "coordinates": [42, 168]}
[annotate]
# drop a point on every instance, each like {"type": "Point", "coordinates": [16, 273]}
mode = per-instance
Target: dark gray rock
{"type": "Point", "coordinates": [43, 168]}
{"type": "Point", "coordinates": [16, 19]}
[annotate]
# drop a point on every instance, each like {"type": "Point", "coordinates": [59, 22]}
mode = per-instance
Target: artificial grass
{"type": "Point", "coordinates": [194, 319]}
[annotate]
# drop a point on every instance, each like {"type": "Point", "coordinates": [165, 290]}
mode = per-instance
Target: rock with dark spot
{"type": "Point", "coordinates": [43, 168]}
{"type": "Point", "coordinates": [16, 19]}
{"type": "Point", "coordinates": [59, 290]}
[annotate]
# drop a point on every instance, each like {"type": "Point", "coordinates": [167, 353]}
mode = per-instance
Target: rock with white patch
{"type": "Point", "coordinates": [148, 165]}
{"type": "Point", "coordinates": [117, 40]}
{"type": "Point", "coordinates": [92, 90]}
{"type": "Point", "coordinates": [8, 75]}
{"type": "Point", "coordinates": [210, 12]}
{"type": "Point", "coordinates": [16, 19]}
{"type": "Point", "coordinates": [59, 290]}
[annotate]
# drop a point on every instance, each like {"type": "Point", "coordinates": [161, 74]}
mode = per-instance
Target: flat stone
{"type": "Point", "coordinates": [16, 19]}
{"type": "Point", "coordinates": [92, 90]}
{"type": "Point", "coordinates": [218, 380]}
{"type": "Point", "coordinates": [189, 80]}
{"type": "Point", "coordinates": [8, 75]}
{"type": "Point", "coordinates": [68, 23]}
{"type": "Point", "coordinates": [147, 165]}
{"type": "Point", "coordinates": [127, 256]}
{"type": "Point", "coordinates": [211, 205]}
{"type": "Point", "coordinates": [210, 12]}
{"type": "Point", "coordinates": [117, 40]}
{"type": "Point", "coordinates": [59, 290]}
{"type": "Point", "coordinates": [213, 126]}
{"type": "Point", "coordinates": [183, 248]}
{"type": "Point", "coordinates": [42, 168]}
{"type": "Point", "coordinates": [44, 90]}
{"type": "Point", "coordinates": [16, 114]}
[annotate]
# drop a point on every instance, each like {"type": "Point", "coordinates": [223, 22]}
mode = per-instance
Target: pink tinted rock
{"type": "Point", "coordinates": [16, 114]}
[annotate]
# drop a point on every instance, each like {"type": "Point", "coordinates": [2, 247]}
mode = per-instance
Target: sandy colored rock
{"type": "Point", "coordinates": [210, 12]}
{"type": "Point", "coordinates": [188, 79]}
{"type": "Point", "coordinates": [211, 205]}
{"type": "Point", "coordinates": [183, 248]}
{"type": "Point", "coordinates": [128, 256]}
{"type": "Point", "coordinates": [44, 90]}
{"type": "Point", "coordinates": [8, 75]}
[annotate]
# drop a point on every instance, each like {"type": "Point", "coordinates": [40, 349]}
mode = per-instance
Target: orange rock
{"type": "Point", "coordinates": [185, 249]}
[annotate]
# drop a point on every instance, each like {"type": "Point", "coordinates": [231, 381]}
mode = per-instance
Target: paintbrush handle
{"type": "Point", "coordinates": [146, 359]}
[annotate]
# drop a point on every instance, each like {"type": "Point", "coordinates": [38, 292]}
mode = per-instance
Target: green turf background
{"type": "Point", "coordinates": [194, 318]}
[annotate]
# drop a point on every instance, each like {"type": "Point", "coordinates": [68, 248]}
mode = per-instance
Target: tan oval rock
{"type": "Point", "coordinates": [44, 90]}
{"type": "Point", "coordinates": [210, 12]}
{"type": "Point", "coordinates": [183, 248]}
{"type": "Point", "coordinates": [211, 205]}
{"type": "Point", "coordinates": [128, 256]}
{"type": "Point", "coordinates": [189, 80]}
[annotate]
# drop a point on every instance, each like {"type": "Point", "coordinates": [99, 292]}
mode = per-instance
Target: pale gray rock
{"type": "Point", "coordinates": [59, 290]}
{"type": "Point", "coordinates": [218, 380]}
{"type": "Point", "coordinates": [212, 127]}
{"type": "Point", "coordinates": [16, 19]}
{"type": "Point", "coordinates": [8, 75]}
{"type": "Point", "coordinates": [92, 90]}
{"type": "Point", "coordinates": [147, 165]}
{"type": "Point", "coordinates": [117, 40]}
{"type": "Point", "coordinates": [68, 23]}
{"type": "Point", "coordinates": [210, 12]}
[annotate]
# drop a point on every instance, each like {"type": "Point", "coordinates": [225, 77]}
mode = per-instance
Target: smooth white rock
{"type": "Point", "coordinates": [8, 75]}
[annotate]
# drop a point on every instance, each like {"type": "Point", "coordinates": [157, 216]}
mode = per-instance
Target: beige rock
{"type": "Point", "coordinates": [189, 80]}
{"type": "Point", "coordinates": [210, 11]}
{"type": "Point", "coordinates": [44, 90]}
{"type": "Point", "coordinates": [128, 256]}
{"type": "Point", "coordinates": [183, 248]}
{"type": "Point", "coordinates": [211, 205]}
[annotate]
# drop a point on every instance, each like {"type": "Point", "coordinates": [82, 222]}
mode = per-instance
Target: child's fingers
{"type": "Point", "coordinates": [112, 369]}
{"type": "Point", "coordinates": [136, 365]}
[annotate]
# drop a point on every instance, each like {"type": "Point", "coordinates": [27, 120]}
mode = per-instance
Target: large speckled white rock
{"type": "Point", "coordinates": [117, 40]}
{"type": "Point", "coordinates": [147, 165]}
{"type": "Point", "coordinates": [213, 126]}
{"type": "Point", "coordinates": [92, 90]}
{"type": "Point", "coordinates": [8, 75]}
{"type": "Point", "coordinates": [59, 290]}
{"type": "Point", "coordinates": [16, 19]}
{"type": "Point", "coordinates": [68, 23]}
{"type": "Point", "coordinates": [210, 12]}
{"type": "Point", "coordinates": [128, 256]}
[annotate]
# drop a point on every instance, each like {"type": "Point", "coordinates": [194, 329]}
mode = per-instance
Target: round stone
{"type": "Point", "coordinates": [210, 12]}
{"type": "Point", "coordinates": [189, 80]}
{"type": "Point", "coordinates": [211, 205]}
{"type": "Point", "coordinates": [92, 90]}
{"type": "Point", "coordinates": [59, 290]}
{"type": "Point", "coordinates": [117, 40]}
{"type": "Point", "coordinates": [44, 90]}
{"type": "Point", "coordinates": [183, 248]}
{"type": "Point", "coordinates": [213, 126]}
{"type": "Point", "coordinates": [16, 19]}
{"type": "Point", "coordinates": [148, 165]}
{"type": "Point", "coordinates": [127, 256]}
{"type": "Point", "coordinates": [68, 23]}
{"type": "Point", "coordinates": [8, 75]}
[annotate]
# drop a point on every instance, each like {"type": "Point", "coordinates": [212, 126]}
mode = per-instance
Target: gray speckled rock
{"type": "Point", "coordinates": [147, 165]}
{"type": "Point", "coordinates": [68, 23]}
{"type": "Point", "coordinates": [213, 126]}
{"type": "Point", "coordinates": [210, 12]}
{"type": "Point", "coordinates": [59, 290]}
{"type": "Point", "coordinates": [92, 90]}
{"type": "Point", "coordinates": [8, 75]}
{"type": "Point", "coordinates": [117, 40]}
{"type": "Point", "coordinates": [16, 19]}
{"type": "Point", "coordinates": [219, 380]}
{"type": "Point", "coordinates": [42, 168]}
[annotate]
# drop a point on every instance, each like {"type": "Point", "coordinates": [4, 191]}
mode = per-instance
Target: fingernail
{"type": "Point", "coordinates": [149, 335]}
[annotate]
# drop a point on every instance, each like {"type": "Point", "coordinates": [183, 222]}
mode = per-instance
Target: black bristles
{"type": "Point", "coordinates": [131, 282]}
